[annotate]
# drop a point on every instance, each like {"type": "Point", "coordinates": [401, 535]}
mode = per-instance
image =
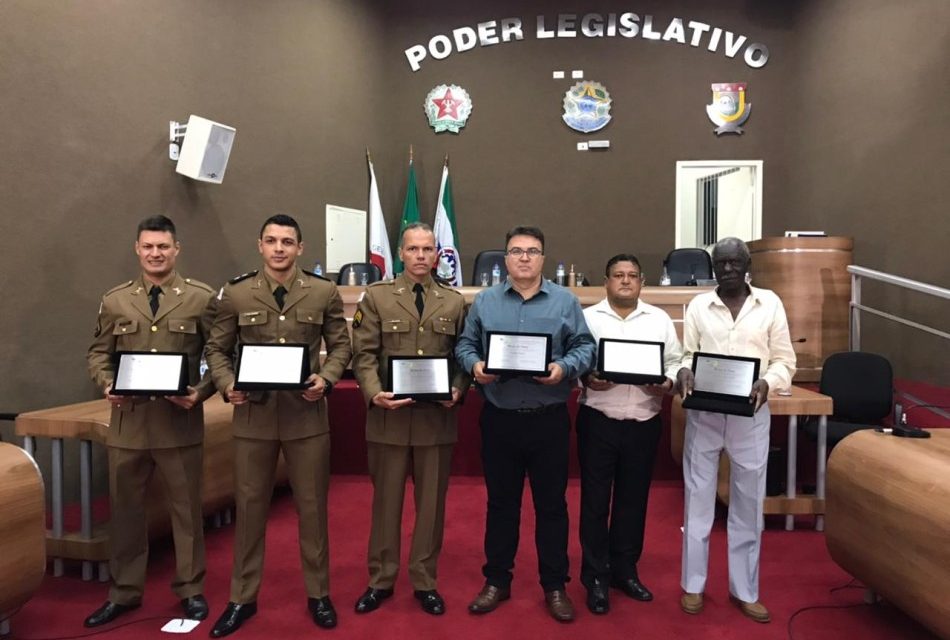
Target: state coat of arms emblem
{"type": "Point", "coordinates": [586, 107]}
{"type": "Point", "coordinates": [729, 108]}
{"type": "Point", "coordinates": [448, 108]}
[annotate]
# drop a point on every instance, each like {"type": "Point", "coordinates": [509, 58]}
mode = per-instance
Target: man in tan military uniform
{"type": "Point", "coordinates": [280, 304]}
{"type": "Point", "coordinates": [163, 433]}
{"type": "Point", "coordinates": [411, 315]}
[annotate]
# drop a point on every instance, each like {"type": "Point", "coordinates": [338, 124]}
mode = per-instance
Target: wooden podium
{"type": "Point", "coordinates": [810, 275]}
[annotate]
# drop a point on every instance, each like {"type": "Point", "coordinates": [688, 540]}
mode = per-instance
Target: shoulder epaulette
{"type": "Point", "coordinates": [243, 276]}
{"type": "Point", "coordinates": [380, 283]}
{"type": "Point", "coordinates": [124, 285]}
{"type": "Point", "coordinates": [316, 275]}
{"type": "Point", "coordinates": [198, 284]}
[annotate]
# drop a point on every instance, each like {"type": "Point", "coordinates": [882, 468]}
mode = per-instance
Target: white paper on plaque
{"type": "Point", "coordinates": [626, 357]}
{"type": "Point", "coordinates": [151, 371]}
{"type": "Point", "coordinates": [270, 363]}
{"type": "Point", "coordinates": [527, 353]}
{"type": "Point", "coordinates": [720, 375]}
{"type": "Point", "coordinates": [421, 376]}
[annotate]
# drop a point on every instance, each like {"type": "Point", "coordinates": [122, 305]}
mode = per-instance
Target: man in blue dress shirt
{"type": "Point", "coordinates": [525, 425]}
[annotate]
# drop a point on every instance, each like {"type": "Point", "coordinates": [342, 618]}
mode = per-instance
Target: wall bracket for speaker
{"type": "Point", "coordinates": [201, 148]}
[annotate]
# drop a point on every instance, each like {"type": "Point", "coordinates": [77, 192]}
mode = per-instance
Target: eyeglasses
{"type": "Point", "coordinates": [517, 252]}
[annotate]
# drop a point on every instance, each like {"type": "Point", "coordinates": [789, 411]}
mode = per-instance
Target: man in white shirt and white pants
{"type": "Point", "coordinates": [738, 320]}
{"type": "Point", "coordinates": [618, 428]}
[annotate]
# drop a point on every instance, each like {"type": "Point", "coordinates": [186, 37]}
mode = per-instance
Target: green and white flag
{"type": "Point", "coordinates": [449, 266]}
{"type": "Point", "coordinates": [410, 212]}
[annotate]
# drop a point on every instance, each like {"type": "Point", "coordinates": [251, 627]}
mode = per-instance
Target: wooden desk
{"type": "Point", "coordinates": [88, 422]}
{"type": "Point", "coordinates": [23, 561]}
{"type": "Point", "coordinates": [800, 402]}
{"type": "Point", "coordinates": [888, 517]}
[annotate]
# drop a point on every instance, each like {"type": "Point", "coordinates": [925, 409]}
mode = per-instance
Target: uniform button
{"type": "Point", "coordinates": [181, 327]}
{"type": "Point", "coordinates": [395, 327]}
{"type": "Point", "coordinates": [309, 317]}
{"type": "Point", "coordinates": [282, 340]}
{"type": "Point", "coordinates": [151, 398]}
{"type": "Point", "coordinates": [281, 318]}
{"type": "Point", "coordinates": [154, 350]}
{"type": "Point", "coordinates": [154, 328]}
{"type": "Point", "coordinates": [253, 319]}
{"type": "Point", "coordinates": [419, 352]}
{"type": "Point", "coordinates": [421, 330]}
{"type": "Point", "coordinates": [124, 329]}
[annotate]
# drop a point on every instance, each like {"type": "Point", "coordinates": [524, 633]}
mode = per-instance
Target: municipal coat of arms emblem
{"type": "Point", "coordinates": [586, 107]}
{"type": "Point", "coordinates": [728, 109]}
{"type": "Point", "coordinates": [448, 108]}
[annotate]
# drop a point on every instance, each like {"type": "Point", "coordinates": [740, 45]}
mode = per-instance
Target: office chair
{"type": "Point", "coordinates": [359, 268]}
{"type": "Point", "coordinates": [862, 387]}
{"type": "Point", "coordinates": [686, 266]}
{"type": "Point", "coordinates": [484, 262]}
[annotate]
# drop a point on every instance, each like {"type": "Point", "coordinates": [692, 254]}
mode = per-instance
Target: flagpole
{"type": "Point", "coordinates": [410, 154]}
{"type": "Point", "coordinates": [446, 160]}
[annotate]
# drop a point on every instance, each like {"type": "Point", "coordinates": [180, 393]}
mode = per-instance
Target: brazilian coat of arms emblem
{"type": "Point", "coordinates": [586, 107]}
{"type": "Point", "coordinates": [448, 108]}
{"type": "Point", "coordinates": [729, 108]}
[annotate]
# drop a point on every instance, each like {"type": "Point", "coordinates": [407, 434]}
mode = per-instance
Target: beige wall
{"type": "Point", "coordinates": [849, 118]}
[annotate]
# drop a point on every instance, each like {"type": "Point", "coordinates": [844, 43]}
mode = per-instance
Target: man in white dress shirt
{"type": "Point", "coordinates": [739, 320]}
{"type": "Point", "coordinates": [618, 428]}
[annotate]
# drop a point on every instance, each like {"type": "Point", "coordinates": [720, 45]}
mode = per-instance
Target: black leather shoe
{"type": "Point", "coordinates": [431, 602]}
{"type": "Point", "coordinates": [322, 612]}
{"type": "Point", "coordinates": [233, 617]}
{"type": "Point", "coordinates": [195, 607]}
{"type": "Point", "coordinates": [633, 588]}
{"type": "Point", "coordinates": [108, 612]}
{"type": "Point", "coordinates": [371, 599]}
{"type": "Point", "coordinates": [598, 601]}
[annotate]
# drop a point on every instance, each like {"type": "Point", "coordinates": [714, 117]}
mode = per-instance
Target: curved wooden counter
{"type": "Point", "coordinates": [888, 518]}
{"type": "Point", "coordinates": [811, 277]}
{"type": "Point", "coordinates": [22, 528]}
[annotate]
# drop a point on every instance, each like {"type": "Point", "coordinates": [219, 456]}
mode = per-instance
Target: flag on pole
{"type": "Point", "coordinates": [410, 210]}
{"type": "Point", "coordinates": [379, 251]}
{"type": "Point", "coordinates": [449, 266]}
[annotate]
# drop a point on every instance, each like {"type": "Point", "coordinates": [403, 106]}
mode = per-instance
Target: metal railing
{"type": "Point", "coordinates": [857, 273]}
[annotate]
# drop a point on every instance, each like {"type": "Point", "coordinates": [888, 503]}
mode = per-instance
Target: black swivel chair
{"type": "Point", "coordinates": [862, 387]}
{"type": "Point", "coordinates": [484, 262]}
{"type": "Point", "coordinates": [359, 268]}
{"type": "Point", "coordinates": [686, 266]}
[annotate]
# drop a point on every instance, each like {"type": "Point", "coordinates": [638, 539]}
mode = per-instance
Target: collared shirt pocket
{"type": "Point", "coordinates": [445, 326]}
{"type": "Point", "coordinates": [309, 323]}
{"type": "Point", "coordinates": [248, 321]}
{"type": "Point", "coordinates": [182, 325]}
{"type": "Point", "coordinates": [252, 318]}
{"type": "Point", "coordinates": [393, 332]}
{"type": "Point", "coordinates": [125, 326]}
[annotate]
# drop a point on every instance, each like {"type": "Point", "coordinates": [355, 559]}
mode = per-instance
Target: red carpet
{"type": "Point", "coordinates": [796, 573]}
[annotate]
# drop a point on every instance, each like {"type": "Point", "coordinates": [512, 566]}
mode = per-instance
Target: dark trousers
{"type": "Point", "coordinates": [537, 444]}
{"type": "Point", "coordinates": [616, 457]}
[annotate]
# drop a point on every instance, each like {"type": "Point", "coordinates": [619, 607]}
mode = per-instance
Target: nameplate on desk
{"type": "Point", "coordinates": [272, 367]}
{"type": "Point", "coordinates": [146, 373]}
{"type": "Point", "coordinates": [519, 354]}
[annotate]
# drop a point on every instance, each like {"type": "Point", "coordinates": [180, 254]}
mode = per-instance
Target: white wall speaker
{"type": "Point", "coordinates": [205, 150]}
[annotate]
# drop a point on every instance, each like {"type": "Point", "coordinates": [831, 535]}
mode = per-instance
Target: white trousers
{"type": "Point", "coordinates": [746, 440]}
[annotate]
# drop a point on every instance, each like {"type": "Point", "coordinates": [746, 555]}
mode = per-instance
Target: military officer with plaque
{"type": "Point", "coordinates": [155, 327]}
{"type": "Point", "coordinates": [278, 317]}
{"type": "Point", "coordinates": [404, 333]}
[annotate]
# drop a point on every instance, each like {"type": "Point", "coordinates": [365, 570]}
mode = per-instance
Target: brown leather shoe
{"type": "Point", "coordinates": [489, 598]}
{"type": "Point", "coordinates": [559, 605]}
{"type": "Point", "coordinates": [691, 603]}
{"type": "Point", "coordinates": [754, 610]}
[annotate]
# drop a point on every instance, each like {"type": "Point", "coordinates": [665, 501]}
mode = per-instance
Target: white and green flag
{"type": "Point", "coordinates": [449, 266]}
